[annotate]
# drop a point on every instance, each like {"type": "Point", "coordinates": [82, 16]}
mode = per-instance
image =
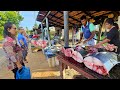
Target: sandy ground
{"type": "Point", "coordinates": [38, 66]}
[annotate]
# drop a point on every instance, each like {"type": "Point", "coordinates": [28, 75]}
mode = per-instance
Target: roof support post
{"type": "Point", "coordinates": [42, 31]}
{"type": "Point", "coordinates": [47, 25]}
{"type": "Point", "coordinates": [72, 36]}
{"type": "Point", "coordinates": [66, 29]}
{"type": "Point", "coordinates": [46, 16]}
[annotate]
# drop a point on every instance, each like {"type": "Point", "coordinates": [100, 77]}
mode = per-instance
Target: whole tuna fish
{"type": "Point", "coordinates": [101, 62]}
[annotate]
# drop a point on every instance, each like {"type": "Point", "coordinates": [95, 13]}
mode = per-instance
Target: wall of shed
{"type": "Point", "coordinates": [119, 21]}
{"type": "Point", "coordinates": [70, 34]}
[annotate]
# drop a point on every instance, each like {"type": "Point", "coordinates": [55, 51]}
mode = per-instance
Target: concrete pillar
{"type": "Point", "coordinates": [66, 29]}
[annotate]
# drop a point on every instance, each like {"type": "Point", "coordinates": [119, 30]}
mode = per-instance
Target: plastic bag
{"type": "Point", "coordinates": [24, 74]}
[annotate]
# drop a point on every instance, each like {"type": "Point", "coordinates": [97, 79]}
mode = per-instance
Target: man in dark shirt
{"type": "Point", "coordinates": [112, 35]}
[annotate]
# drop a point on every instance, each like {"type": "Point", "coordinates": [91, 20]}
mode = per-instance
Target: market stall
{"type": "Point", "coordinates": [71, 19]}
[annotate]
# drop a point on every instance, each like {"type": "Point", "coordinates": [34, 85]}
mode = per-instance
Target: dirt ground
{"type": "Point", "coordinates": [39, 68]}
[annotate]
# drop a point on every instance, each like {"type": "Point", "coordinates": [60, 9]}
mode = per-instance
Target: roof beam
{"type": "Point", "coordinates": [60, 19]}
{"type": "Point", "coordinates": [56, 22]}
{"type": "Point", "coordinates": [87, 13]}
{"type": "Point", "coordinates": [104, 14]}
{"type": "Point", "coordinates": [73, 18]}
{"type": "Point", "coordinates": [77, 14]}
{"type": "Point", "coordinates": [56, 17]}
{"type": "Point", "coordinates": [60, 23]}
{"type": "Point", "coordinates": [54, 14]}
{"type": "Point", "coordinates": [46, 16]}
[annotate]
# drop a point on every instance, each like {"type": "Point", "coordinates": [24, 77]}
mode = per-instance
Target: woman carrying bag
{"type": "Point", "coordinates": [12, 50]}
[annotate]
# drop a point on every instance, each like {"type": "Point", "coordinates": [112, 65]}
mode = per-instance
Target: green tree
{"type": "Point", "coordinates": [36, 25]}
{"type": "Point", "coordinates": [27, 30]}
{"type": "Point", "coordinates": [12, 16]}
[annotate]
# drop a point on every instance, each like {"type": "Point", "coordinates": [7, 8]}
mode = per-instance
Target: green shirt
{"type": "Point", "coordinates": [91, 27]}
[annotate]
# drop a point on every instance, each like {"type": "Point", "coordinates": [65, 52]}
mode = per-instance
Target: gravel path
{"type": "Point", "coordinates": [38, 66]}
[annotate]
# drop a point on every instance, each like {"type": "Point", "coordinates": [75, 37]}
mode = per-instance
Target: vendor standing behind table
{"type": "Point", "coordinates": [112, 34]}
{"type": "Point", "coordinates": [87, 31]}
{"type": "Point", "coordinates": [55, 39]}
{"type": "Point", "coordinates": [23, 43]}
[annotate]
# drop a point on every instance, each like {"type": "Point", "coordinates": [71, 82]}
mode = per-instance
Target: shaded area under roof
{"type": "Point", "coordinates": [56, 17]}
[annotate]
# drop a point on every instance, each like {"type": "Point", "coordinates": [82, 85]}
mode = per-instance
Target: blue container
{"type": "Point", "coordinates": [24, 74]}
{"type": "Point", "coordinates": [49, 53]}
{"type": "Point", "coordinates": [30, 36]}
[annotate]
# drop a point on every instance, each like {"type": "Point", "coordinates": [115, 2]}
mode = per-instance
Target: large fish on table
{"type": "Point", "coordinates": [81, 50]}
{"type": "Point", "coordinates": [85, 51]}
{"type": "Point", "coordinates": [69, 52]}
{"type": "Point", "coordinates": [101, 62]}
{"type": "Point", "coordinates": [77, 56]}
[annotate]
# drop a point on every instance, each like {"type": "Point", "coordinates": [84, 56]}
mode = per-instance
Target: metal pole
{"type": "Point", "coordinates": [46, 16]}
{"type": "Point", "coordinates": [47, 25]}
{"type": "Point", "coordinates": [66, 29]}
{"type": "Point", "coordinates": [42, 31]}
{"type": "Point", "coordinates": [72, 36]}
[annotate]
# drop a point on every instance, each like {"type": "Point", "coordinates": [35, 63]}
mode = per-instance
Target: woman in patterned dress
{"type": "Point", "coordinates": [12, 50]}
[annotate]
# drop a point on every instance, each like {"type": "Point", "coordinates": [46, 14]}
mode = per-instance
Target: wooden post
{"type": "Point", "coordinates": [61, 69]}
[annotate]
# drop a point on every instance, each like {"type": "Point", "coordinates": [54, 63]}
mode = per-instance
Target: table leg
{"type": "Point", "coordinates": [61, 69]}
{"type": "Point", "coordinates": [65, 66]}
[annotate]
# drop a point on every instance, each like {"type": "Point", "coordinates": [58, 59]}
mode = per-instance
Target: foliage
{"type": "Point", "coordinates": [36, 25]}
{"type": "Point", "coordinates": [11, 16]}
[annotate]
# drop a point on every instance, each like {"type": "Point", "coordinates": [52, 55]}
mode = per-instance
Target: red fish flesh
{"type": "Point", "coordinates": [68, 52]}
{"type": "Point", "coordinates": [77, 56]}
{"type": "Point", "coordinates": [101, 62]}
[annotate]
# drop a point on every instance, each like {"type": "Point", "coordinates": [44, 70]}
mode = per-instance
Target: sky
{"type": "Point", "coordinates": [29, 19]}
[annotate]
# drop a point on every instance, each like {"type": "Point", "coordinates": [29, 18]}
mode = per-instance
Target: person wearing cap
{"type": "Point", "coordinates": [22, 42]}
{"type": "Point", "coordinates": [87, 31]}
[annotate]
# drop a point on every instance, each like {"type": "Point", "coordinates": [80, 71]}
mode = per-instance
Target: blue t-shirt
{"type": "Point", "coordinates": [21, 37]}
{"type": "Point", "coordinates": [85, 31]}
{"type": "Point", "coordinates": [91, 27]}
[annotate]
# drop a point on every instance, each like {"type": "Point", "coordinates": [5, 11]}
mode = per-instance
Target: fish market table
{"type": "Point", "coordinates": [80, 67]}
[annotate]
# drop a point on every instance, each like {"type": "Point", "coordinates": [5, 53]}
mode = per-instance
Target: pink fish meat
{"type": "Point", "coordinates": [41, 43]}
{"type": "Point", "coordinates": [77, 56]}
{"type": "Point", "coordinates": [68, 52]}
{"type": "Point", "coordinates": [101, 62]}
{"type": "Point", "coordinates": [78, 48]}
{"type": "Point", "coordinates": [110, 47]}
{"type": "Point", "coordinates": [62, 49]}
{"type": "Point", "coordinates": [95, 65]}
{"type": "Point", "coordinates": [92, 50]}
